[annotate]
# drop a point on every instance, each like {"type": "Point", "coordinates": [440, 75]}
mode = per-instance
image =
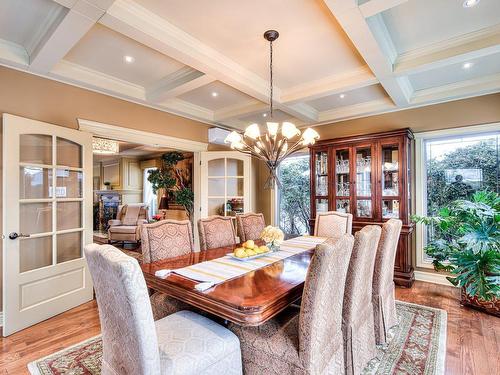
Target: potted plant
{"type": "Point", "coordinates": [171, 179]}
{"type": "Point", "coordinates": [467, 244]}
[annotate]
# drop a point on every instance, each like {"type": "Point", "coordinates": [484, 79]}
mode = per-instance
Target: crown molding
{"type": "Point", "coordinates": [13, 54]}
{"type": "Point", "coordinates": [331, 85]}
{"type": "Point", "coordinates": [356, 110]}
{"type": "Point", "coordinates": [245, 109]}
{"type": "Point", "coordinates": [185, 108]}
{"type": "Point", "coordinates": [455, 50]}
{"type": "Point", "coordinates": [120, 133]}
{"type": "Point", "coordinates": [373, 7]}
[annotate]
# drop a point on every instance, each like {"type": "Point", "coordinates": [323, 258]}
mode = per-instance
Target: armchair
{"type": "Point", "coordinates": [128, 222]}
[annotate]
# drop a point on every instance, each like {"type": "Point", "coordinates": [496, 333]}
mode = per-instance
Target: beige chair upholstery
{"type": "Point", "coordinates": [182, 343]}
{"type": "Point", "coordinates": [306, 341]}
{"type": "Point", "coordinates": [358, 327]}
{"type": "Point", "coordinates": [384, 304]}
{"type": "Point", "coordinates": [332, 224]}
{"type": "Point", "coordinates": [250, 226]}
{"type": "Point", "coordinates": [162, 240]}
{"type": "Point", "coordinates": [166, 239]}
{"type": "Point", "coordinates": [216, 231]}
{"type": "Point", "coordinates": [128, 227]}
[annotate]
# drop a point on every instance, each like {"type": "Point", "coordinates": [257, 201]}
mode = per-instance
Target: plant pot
{"type": "Point", "coordinates": [491, 307]}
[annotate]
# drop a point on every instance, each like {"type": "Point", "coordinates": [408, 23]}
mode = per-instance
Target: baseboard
{"type": "Point", "coordinates": [432, 277]}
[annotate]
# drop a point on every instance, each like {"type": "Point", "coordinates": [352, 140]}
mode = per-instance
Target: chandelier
{"type": "Point", "coordinates": [105, 146]}
{"type": "Point", "coordinates": [277, 141]}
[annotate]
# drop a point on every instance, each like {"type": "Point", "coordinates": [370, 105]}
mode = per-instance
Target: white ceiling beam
{"type": "Point", "coordinates": [65, 32]}
{"type": "Point", "coordinates": [373, 7]}
{"type": "Point", "coordinates": [335, 84]}
{"type": "Point", "coordinates": [356, 110]}
{"type": "Point", "coordinates": [246, 109]}
{"type": "Point", "coordinates": [173, 85]}
{"type": "Point", "coordinates": [459, 90]}
{"type": "Point", "coordinates": [375, 52]}
{"type": "Point", "coordinates": [302, 111]}
{"type": "Point", "coordinates": [451, 51]}
{"type": "Point", "coordinates": [144, 26]}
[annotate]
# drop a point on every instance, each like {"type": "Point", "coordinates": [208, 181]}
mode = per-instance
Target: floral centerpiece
{"type": "Point", "coordinates": [273, 237]}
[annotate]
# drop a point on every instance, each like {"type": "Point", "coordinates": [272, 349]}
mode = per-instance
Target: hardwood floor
{"type": "Point", "coordinates": [472, 349]}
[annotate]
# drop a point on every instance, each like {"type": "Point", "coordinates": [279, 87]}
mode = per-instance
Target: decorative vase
{"type": "Point", "coordinates": [491, 307]}
{"type": "Point", "coordinates": [273, 246]}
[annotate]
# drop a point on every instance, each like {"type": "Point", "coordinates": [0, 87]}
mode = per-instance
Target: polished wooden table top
{"type": "Point", "coordinates": [248, 300]}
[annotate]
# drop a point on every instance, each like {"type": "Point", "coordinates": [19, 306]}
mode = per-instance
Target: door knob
{"type": "Point", "coordinates": [15, 235]}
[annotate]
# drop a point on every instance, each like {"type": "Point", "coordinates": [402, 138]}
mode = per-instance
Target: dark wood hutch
{"type": "Point", "coordinates": [368, 176]}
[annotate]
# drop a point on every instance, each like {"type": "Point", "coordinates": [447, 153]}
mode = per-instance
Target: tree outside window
{"type": "Point", "coordinates": [294, 196]}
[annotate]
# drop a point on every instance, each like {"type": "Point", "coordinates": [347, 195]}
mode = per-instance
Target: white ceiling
{"type": "Point", "coordinates": [382, 55]}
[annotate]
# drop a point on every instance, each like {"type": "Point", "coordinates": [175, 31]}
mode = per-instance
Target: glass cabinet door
{"type": "Point", "coordinates": [321, 181]}
{"type": "Point", "coordinates": [390, 181]}
{"type": "Point", "coordinates": [363, 190]}
{"type": "Point", "coordinates": [342, 181]}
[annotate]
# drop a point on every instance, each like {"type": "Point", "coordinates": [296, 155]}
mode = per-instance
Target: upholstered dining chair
{"type": "Point", "coordinates": [357, 312]}
{"type": "Point", "coordinates": [162, 240]}
{"type": "Point", "coordinates": [306, 340]}
{"type": "Point", "coordinates": [384, 304]}
{"type": "Point", "coordinates": [332, 224]}
{"type": "Point", "coordinates": [181, 343]}
{"type": "Point", "coordinates": [216, 231]}
{"type": "Point", "coordinates": [250, 226]}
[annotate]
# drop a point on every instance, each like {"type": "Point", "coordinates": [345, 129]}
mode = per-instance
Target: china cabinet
{"type": "Point", "coordinates": [369, 177]}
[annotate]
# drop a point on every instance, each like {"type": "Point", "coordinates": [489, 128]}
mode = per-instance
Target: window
{"type": "Point", "coordinates": [453, 165]}
{"type": "Point", "coordinates": [149, 196]}
{"type": "Point", "coordinates": [293, 198]}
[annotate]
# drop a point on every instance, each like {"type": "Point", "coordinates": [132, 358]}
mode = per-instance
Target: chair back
{"type": "Point", "coordinates": [383, 275]}
{"type": "Point", "coordinates": [166, 239]}
{"type": "Point", "coordinates": [216, 231]}
{"type": "Point", "coordinates": [143, 213]}
{"type": "Point", "coordinates": [130, 344]}
{"type": "Point", "coordinates": [250, 226]}
{"type": "Point", "coordinates": [320, 332]}
{"type": "Point", "coordinates": [358, 290]}
{"type": "Point", "coordinates": [332, 224]}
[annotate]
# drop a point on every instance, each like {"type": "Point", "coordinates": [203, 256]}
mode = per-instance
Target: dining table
{"type": "Point", "coordinates": [250, 299]}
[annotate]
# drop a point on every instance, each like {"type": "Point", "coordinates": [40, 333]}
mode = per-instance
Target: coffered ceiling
{"type": "Point", "coordinates": [207, 60]}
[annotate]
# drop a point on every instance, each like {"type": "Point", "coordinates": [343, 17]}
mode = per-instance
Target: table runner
{"type": "Point", "coordinates": [218, 270]}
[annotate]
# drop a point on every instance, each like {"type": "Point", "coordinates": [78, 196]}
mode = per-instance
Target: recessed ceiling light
{"type": "Point", "coordinates": [214, 94]}
{"type": "Point", "coordinates": [128, 59]}
{"type": "Point", "coordinates": [467, 65]}
{"type": "Point", "coordinates": [470, 3]}
{"type": "Point", "coordinates": [342, 96]}
{"type": "Point", "coordinates": [264, 115]}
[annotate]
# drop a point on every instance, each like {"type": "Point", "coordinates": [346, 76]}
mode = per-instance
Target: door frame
{"type": "Point", "coordinates": [119, 133]}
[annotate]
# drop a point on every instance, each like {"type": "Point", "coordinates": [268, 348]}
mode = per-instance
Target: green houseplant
{"type": "Point", "coordinates": [170, 178]}
{"type": "Point", "coordinates": [467, 244]}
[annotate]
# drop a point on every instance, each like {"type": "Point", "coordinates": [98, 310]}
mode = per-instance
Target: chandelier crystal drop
{"type": "Point", "coordinates": [278, 141]}
{"type": "Point", "coordinates": [104, 146]}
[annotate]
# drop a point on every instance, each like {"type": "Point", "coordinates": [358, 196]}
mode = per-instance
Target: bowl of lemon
{"type": "Point", "coordinates": [249, 250]}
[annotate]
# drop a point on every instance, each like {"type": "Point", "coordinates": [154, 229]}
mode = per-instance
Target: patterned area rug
{"type": "Point", "coordinates": [417, 347]}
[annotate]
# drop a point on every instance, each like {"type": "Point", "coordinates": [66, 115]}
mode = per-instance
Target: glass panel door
{"type": "Point", "coordinates": [225, 186]}
{"type": "Point", "coordinates": [47, 195]}
{"type": "Point", "coordinates": [342, 181]}
{"type": "Point", "coordinates": [363, 190]}
{"type": "Point", "coordinates": [390, 181]}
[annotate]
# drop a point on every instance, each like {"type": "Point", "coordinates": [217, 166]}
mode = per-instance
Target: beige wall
{"type": "Point", "coordinates": [474, 111]}
{"type": "Point", "coordinates": [41, 99]}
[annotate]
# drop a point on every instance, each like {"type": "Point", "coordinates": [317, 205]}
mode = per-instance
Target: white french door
{"type": "Point", "coordinates": [47, 219]}
{"type": "Point", "coordinates": [225, 183]}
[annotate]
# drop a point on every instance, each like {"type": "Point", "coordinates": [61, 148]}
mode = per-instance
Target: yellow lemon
{"type": "Point", "coordinates": [250, 252]}
{"type": "Point", "coordinates": [240, 253]}
{"type": "Point", "coordinates": [250, 244]}
{"type": "Point", "coordinates": [263, 249]}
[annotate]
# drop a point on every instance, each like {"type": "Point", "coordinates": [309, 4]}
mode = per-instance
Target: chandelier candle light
{"type": "Point", "coordinates": [278, 141]}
